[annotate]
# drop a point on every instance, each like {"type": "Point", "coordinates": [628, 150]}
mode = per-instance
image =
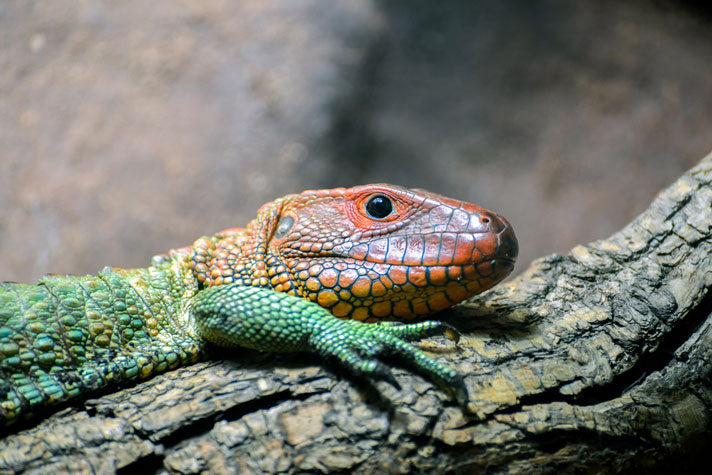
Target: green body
{"type": "Point", "coordinates": [69, 336]}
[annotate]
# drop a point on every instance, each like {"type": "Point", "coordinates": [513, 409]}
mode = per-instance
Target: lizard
{"type": "Point", "coordinates": [348, 273]}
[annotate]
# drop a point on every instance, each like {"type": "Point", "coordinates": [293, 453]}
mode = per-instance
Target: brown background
{"type": "Point", "coordinates": [128, 128]}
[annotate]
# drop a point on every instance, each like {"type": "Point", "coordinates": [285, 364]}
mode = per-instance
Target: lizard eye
{"type": "Point", "coordinates": [285, 224]}
{"type": "Point", "coordinates": [379, 207]}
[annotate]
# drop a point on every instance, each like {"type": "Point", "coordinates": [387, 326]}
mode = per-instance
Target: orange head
{"type": "Point", "coordinates": [368, 252]}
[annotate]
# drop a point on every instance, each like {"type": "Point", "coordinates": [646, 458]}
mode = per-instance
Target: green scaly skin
{"type": "Point", "coordinates": [273, 286]}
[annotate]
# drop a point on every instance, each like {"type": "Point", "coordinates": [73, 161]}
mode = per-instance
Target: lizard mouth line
{"type": "Point", "coordinates": [498, 261]}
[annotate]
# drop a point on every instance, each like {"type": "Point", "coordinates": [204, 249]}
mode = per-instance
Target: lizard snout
{"type": "Point", "coordinates": [507, 245]}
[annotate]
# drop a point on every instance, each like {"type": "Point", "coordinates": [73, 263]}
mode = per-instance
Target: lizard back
{"type": "Point", "coordinates": [69, 336]}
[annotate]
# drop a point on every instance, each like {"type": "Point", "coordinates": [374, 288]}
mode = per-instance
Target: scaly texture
{"type": "Point", "coordinates": [369, 254]}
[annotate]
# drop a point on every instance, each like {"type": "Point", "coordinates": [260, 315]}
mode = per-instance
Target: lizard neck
{"type": "Point", "coordinates": [167, 287]}
{"type": "Point", "coordinates": [232, 256]}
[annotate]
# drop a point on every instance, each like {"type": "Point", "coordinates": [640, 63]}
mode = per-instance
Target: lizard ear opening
{"type": "Point", "coordinates": [283, 227]}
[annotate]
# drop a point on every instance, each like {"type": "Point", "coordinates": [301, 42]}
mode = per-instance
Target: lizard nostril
{"type": "Point", "coordinates": [493, 222]}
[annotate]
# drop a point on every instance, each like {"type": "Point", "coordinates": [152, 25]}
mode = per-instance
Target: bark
{"type": "Point", "coordinates": [598, 360]}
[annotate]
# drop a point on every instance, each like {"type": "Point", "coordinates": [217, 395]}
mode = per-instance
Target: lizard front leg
{"type": "Point", "coordinates": [262, 319]}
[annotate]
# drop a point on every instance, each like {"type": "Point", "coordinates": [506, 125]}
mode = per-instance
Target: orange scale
{"type": "Point", "coordinates": [359, 252]}
{"type": "Point", "coordinates": [360, 314]}
{"type": "Point", "coordinates": [416, 276]}
{"type": "Point", "coordinates": [347, 277]}
{"type": "Point", "coordinates": [431, 255]}
{"type": "Point", "coordinates": [474, 286]}
{"type": "Point", "coordinates": [454, 272]}
{"type": "Point", "coordinates": [456, 292]}
{"type": "Point", "coordinates": [315, 270]}
{"type": "Point", "coordinates": [381, 309]}
{"type": "Point", "coordinates": [437, 275]}
{"type": "Point", "coordinates": [408, 288]}
{"type": "Point", "coordinates": [398, 275]}
{"type": "Point", "coordinates": [380, 269]}
{"type": "Point", "coordinates": [420, 308]}
{"type": "Point", "coordinates": [378, 289]}
{"type": "Point", "coordinates": [342, 309]}
{"type": "Point", "coordinates": [362, 287]}
{"type": "Point", "coordinates": [439, 302]}
{"type": "Point", "coordinates": [328, 277]}
{"type": "Point", "coordinates": [476, 256]}
{"type": "Point", "coordinates": [464, 246]}
{"type": "Point", "coordinates": [485, 268]}
{"type": "Point", "coordinates": [313, 284]}
{"type": "Point", "coordinates": [402, 309]}
{"type": "Point", "coordinates": [327, 298]}
{"type": "Point", "coordinates": [487, 245]}
{"type": "Point", "coordinates": [386, 281]}
{"type": "Point", "coordinates": [471, 273]}
{"type": "Point", "coordinates": [447, 249]}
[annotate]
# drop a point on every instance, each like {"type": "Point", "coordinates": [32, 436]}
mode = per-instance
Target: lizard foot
{"type": "Point", "coordinates": [358, 346]}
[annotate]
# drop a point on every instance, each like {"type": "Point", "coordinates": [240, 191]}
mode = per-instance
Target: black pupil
{"type": "Point", "coordinates": [379, 207]}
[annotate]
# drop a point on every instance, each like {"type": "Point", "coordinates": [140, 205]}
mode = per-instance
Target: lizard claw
{"type": "Point", "coordinates": [383, 372]}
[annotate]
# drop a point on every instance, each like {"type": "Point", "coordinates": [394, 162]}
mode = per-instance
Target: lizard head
{"type": "Point", "coordinates": [368, 252]}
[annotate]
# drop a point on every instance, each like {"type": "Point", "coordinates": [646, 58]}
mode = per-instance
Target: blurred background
{"type": "Point", "coordinates": [128, 128]}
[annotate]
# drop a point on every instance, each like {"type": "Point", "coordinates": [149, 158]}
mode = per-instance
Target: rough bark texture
{"type": "Point", "coordinates": [599, 360]}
